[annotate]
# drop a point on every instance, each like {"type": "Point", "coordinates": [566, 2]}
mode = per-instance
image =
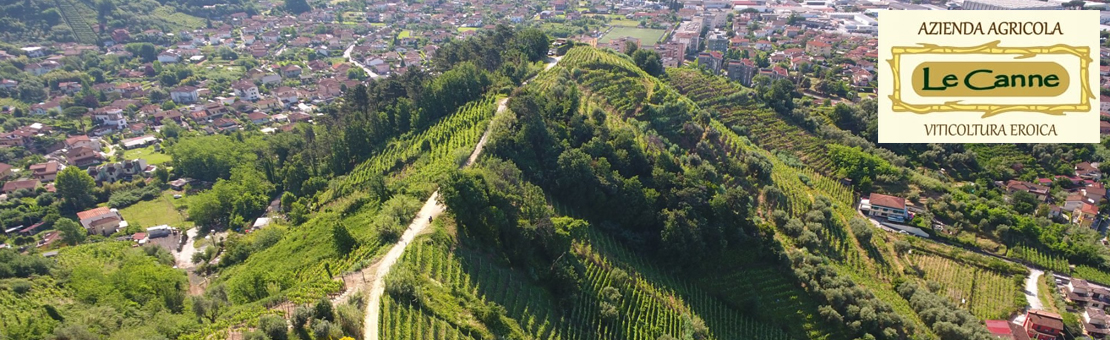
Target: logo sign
{"type": "Point", "coordinates": [971, 76]}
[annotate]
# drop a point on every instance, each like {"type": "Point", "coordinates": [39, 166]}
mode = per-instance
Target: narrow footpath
{"type": "Point", "coordinates": [431, 209]}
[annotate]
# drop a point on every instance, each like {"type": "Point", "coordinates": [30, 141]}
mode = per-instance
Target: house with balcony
{"type": "Point", "coordinates": [184, 95]}
{"type": "Point", "coordinates": [246, 90]}
{"type": "Point", "coordinates": [1043, 325]}
{"type": "Point", "coordinates": [46, 172]}
{"type": "Point", "coordinates": [885, 206]}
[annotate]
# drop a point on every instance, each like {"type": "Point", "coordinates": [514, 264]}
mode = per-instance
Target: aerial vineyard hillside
{"type": "Point", "coordinates": [372, 205]}
{"type": "Point", "coordinates": [766, 128]}
{"type": "Point", "coordinates": [437, 275]}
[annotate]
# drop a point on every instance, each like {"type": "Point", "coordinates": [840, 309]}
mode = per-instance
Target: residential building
{"type": "Point", "coordinates": [1083, 294]}
{"type": "Point", "coordinates": [184, 95]}
{"type": "Point", "coordinates": [169, 57]}
{"type": "Point", "coordinates": [1096, 323]}
{"type": "Point", "coordinates": [5, 170]}
{"type": "Point", "coordinates": [112, 172]}
{"type": "Point", "coordinates": [742, 71]}
{"type": "Point", "coordinates": [1039, 191]}
{"type": "Point", "coordinates": [818, 48]}
{"type": "Point", "coordinates": [13, 186]}
{"type": "Point", "coordinates": [82, 140]}
{"type": "Point", "coordinates": [886, 206]}
{"type": "Point", "coordinates": [246, 90]}
{"type": "Point", "coordinates": [1042, 325]}
{"type": "Point", "coordinates": [711, 61]}
{"type": "Point", "coordinates": [1085, 215]}
{"type": "Point", "coordinates": [46, 172]}
{"type": "Point", "coordinates": [101, 221]}
{"type": "Point", "coordinates": [1087, 170]}
{"type": "Point", "coordinates": [82, 156]}
{"type": "Point", "coordinates": [291, 71]}
{"type": "Point", "coordinates": [717, 41]}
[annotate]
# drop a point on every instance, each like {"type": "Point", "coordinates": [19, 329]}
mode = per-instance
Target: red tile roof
{"type": "Point", "coordinates": [999, 327]}
{"type": "Point", "coordinates": [887, 201]}
{"type": "Point", "coordinates": [93, 213]}
{"type": "Point", "coordinates": [1046, 319]}
{"type": "Point", "coordinates": [1089, 208]}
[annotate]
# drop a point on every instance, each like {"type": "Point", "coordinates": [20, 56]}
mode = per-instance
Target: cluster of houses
{"type": "Point", "coordinates": [80, 151]}
{"type": "Point", "coordinates": [790, 37]}
{"type": "Point", "coordinates": [1084, 194]}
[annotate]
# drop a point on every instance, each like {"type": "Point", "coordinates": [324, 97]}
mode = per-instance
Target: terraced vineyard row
{"type": "Point", "coordinates": [402, 321]}
{"type": "Point", "coordinates": [789, 179]}
{"type": "Point", "coordinates": [77, 15]}
{"type": "Point", "coordinates": [648, 310]}
{"type": "Point", "coordinates": [436, 145]}
{"type": "Point", "coordinates": [724, 321]}
{"type": "Point", "coordinates": [522, 301]}
{"type": "Point", "coordinates": [986, 293]}
{"type": "Point", "coordinates": [1053, 263]}
{"type": "Point", "coordinates": [645, 310]}
{"type": "Point", "coordinates": [765, 127]}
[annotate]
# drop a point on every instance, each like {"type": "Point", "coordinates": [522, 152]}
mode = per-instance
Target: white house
{"type": "Point", "coordinates": [246, 90]}
{"type": "Point", "coordinates": [184, 95]}
{"type": "Point", "coordinates": [112, 117]}
{"type": "Point", "coordinates": [169, 57]}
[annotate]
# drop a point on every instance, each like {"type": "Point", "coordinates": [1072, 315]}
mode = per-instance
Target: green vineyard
{"type": "Point", "coordinates": [420, 157]}
{"type": "Point", "coordinates": [79, 18]}
{"type": "Point", "coordinates": [987, 294]}
{"type": "Point", "coordinates": [764, 126]}
{"type": "Point", "coordinates": [646, 310]}
{"type": "Point", "coordinates": [1031, 255]}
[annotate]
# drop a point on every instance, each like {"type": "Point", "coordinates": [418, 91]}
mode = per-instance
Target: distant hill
{"type": "Point", "coordinates": [88, 21]}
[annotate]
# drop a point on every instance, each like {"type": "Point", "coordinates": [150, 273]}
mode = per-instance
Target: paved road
{"type": "Point", "coordinates": [347, 55]}
{"type": "Point", "coordinates": [431, 209]}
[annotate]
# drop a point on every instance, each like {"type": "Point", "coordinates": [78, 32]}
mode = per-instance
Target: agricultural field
{"type": "Point", "coordinates": [647, 36]}
{"type": "Point", "coordinates": [985, 293]}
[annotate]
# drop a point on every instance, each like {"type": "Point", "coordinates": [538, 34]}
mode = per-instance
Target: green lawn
{"type": "Point", "coordinates": [159, 211]}
{"type": "Point", "coordinates": [404, 34]}
{"type": "Point", "coordinates": [147, 153]}
{"type": "Point", "coordinates": [647, 36]}
{"type": "Point", "coordinates": [624, 23]}
{"type": "Point", "coordinates": [464, 29]}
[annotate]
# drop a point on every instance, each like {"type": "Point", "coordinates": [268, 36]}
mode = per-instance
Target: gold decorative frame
{"type": "Point", "coordinates": [1082, 52]}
